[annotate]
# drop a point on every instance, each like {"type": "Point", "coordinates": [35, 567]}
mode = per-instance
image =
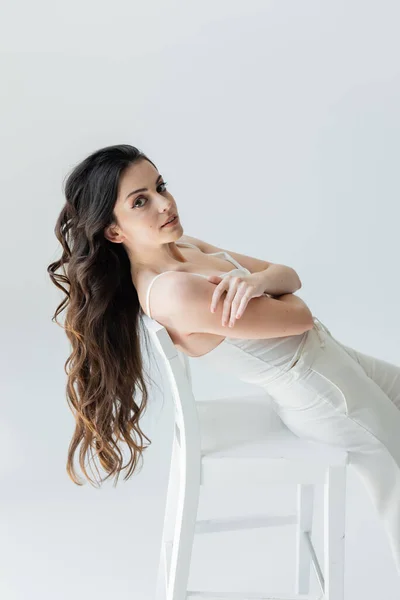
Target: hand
{"type": "Point", "coordinates": [240, 290]}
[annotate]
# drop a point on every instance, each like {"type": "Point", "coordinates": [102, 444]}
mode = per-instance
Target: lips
{"type": "Point", "coordinates": [169, 220]}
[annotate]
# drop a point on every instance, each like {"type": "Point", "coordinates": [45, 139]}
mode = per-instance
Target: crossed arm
{"type": "Point", "coordinates": [278, 279]}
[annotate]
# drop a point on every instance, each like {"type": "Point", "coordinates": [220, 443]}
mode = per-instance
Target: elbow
{"type": "Point", "coordinates": [297, 279]}
{"type": "Point", "coordinates": [309, 319]}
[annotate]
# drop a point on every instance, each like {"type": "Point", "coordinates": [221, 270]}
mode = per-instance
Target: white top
{"type": "Point", "coordinates": [256, 361]}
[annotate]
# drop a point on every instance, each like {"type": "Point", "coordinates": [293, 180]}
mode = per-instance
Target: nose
{"type": "Point", "coordinates": [168, 207]}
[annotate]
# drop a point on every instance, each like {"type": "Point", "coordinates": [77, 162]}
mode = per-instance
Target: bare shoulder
{"type": "Point", "coordinates": [200, 244]}
{"type": "Point", "coordinates": [252, 263]}
{"type": "Point", "coordinates": [186, 309]}
{"type": "Point", "coordinates": [192, 240]}
{"type": "Point", "coordinates": [167, 292]}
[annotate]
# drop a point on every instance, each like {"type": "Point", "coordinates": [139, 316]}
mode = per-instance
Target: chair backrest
{"type": "Point", "coordinates": [187, 427]}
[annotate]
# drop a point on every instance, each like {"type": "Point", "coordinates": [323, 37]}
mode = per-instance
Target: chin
{"type": "Point", "coordinates": [178, 230]}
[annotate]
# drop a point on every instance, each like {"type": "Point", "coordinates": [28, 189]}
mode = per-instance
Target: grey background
{"type": "Point", "coordinates": [276, 126]}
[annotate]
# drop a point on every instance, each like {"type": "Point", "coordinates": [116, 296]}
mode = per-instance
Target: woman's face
{"type": "Point", "coordinates": [141, 214]}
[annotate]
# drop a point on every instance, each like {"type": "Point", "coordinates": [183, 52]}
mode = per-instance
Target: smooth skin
{"type": "Point", "coordinates": [143, 205]}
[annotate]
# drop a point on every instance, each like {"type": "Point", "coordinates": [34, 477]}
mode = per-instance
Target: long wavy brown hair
{"type": "Point", "coordinates": [103, 319]}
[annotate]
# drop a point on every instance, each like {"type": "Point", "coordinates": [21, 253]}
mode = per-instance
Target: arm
{"type": "Point", "coordinates": [278, 279]}
{"type": "Point", "coordinates": [186, 304]}
{"type": "Point", "coordinates": [291, 299]}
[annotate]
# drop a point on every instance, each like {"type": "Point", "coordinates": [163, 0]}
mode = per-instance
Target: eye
{"type": "Point", "coordinates": [163, 183]}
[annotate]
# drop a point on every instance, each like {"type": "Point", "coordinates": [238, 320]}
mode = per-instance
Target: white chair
{"type": "Point", "coordinates": [225, 441]}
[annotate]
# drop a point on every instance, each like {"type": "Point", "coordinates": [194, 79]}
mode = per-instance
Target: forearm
{"type": "Point", "coordinates": [293, 300]}
{"type": "Point", "coordinates": [278, 280]}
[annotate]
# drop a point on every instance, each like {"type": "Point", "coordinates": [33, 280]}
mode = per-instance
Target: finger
{"type": "Point", "coordinates": [216, 279]}
{"type": "Point", "coordinates": [216, 295]}
{"type": "Point", "coordinates": [239, 301]}
{"type": "Point", "coordinates": [243, 304]}
{"type": "Point", "coordinates": [227, 309]}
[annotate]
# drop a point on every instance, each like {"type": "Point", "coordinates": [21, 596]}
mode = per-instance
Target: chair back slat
{"type": "Point", "coordinates": [185, 459]}
{"type": "Point", "coordinates": [177, 366]}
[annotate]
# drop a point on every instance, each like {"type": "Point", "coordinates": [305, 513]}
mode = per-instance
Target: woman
{"type": "Point", "coordinates": [116, 245]}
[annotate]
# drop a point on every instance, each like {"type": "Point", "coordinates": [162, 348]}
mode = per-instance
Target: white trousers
{"type": "Point", "coordinates": [336, 395]}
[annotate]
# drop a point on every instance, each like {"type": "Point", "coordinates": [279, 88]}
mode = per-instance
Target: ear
{"type": "Point", "coordinates": [112, 234]}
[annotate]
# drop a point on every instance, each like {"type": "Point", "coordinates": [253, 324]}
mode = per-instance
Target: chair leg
{"type": "Point", "coordinates": [305, 504]}
{"type": "Point", "coordinates": [163, 570]}
{"type": "Point", "coordinates": [334, 532]}
{"type": "Point", "coordinates": [180, 520]}
{"type": "Point", "coordinates": [169, 524]}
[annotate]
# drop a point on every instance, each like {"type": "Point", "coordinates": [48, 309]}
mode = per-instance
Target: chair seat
{"type": "Point", "coordinates": [249, 428]}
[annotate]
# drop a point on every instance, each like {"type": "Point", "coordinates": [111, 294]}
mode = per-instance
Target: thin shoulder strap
{"type": "Point", "coordinates": [187, 244]}
{"type": "Point", "coordinates": [232, 260]}
{"type": "Point", "coordinates": [148, 291]}
{"type": "Point", "coordinates": [153, 280]}
{"type": "Point", "coordinates": [226, 254]}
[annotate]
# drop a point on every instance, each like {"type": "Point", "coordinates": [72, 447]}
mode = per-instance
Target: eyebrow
{"type": "Point", "coordinates": [141, 189]}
